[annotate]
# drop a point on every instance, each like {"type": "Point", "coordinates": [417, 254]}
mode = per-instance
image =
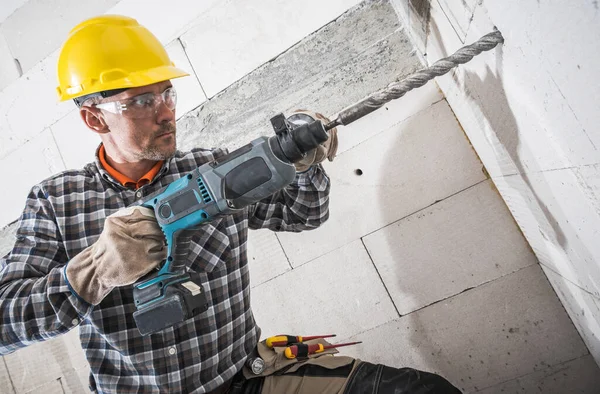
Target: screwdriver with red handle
{"type": "Point", "coordinates": [303, 350]}
{"type": "Point", "coordinates": [284, 340]}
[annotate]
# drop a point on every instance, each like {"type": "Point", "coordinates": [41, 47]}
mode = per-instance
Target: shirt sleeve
{"type": "Point", "coordinates": [36, 303]}
{"type": "Point", "coordinates": [302, 205]}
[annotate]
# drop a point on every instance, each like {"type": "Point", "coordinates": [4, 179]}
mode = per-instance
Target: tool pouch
{"type": "Point", "coordinates": [282, 375]}
{"type": "Point", "coordinates": [276, 363]}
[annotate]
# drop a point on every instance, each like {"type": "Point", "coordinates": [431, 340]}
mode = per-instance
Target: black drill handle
{"type": "Point", "coordinates": [180, 249]}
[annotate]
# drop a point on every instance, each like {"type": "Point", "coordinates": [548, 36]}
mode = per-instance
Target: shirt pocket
{"type": "Point", "coordinates": [210, 246]}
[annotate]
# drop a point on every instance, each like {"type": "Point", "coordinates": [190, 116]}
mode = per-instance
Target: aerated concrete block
{"type": "Point", "coordinates": [582, 307]}
{"type": "Point", "coordinates": [460, 14]}
{"type": "Point", "coordinates": [265, 257]}
{"type": "Point", "coordinates": [511, 102]}
{"type": "Point", "coordinates": [7, 238]}
{"type": "Point", "coordinates": [29, 105]}
{"type": "Point", "coordinates": [182, 15]}
{"type": "Point", "coordinates": [8, 7]}
{"type": "Point", "coordinates": [77, 143]}
{"type": "Point", "coordinates": [234, 38]}
{"type": "Point", "coordinates": [559, 221]}
{"type": "Point", "coordinates": [571, 70]}
{"type": "Point", "coordinates": [6, 385]}
{"type": "Point", "coordinates": [337, 293]}
{"type": "Point", "coordinates": [562, 226]}
{"type": "Point", "coordinates": [578, 376]}
{"type": "Point", "coordinates": [28, 165]}
{"type": "Point", "coordinates": [499, 331]}
{"type": "Point", "coordinates": [9, 70]}
{"type": "Point", "coordinates": [39, 27]}
{"type": "Point", "coordinates": [42, 363]}
{"type": "Point", "coordinates": [398, 172]}
{"type": "Point", "coordinates": [76, 382]}
{"type": "Point", "coordinates": [52, 387]}
{"type": "Point", "coordinates": [189, 91]}
{"type": "Point", "coordinates": [390, 115]}
{"type": "Point", "coordinates": [588, 178]}
{"type": "Point", "coordinates": [459, 243]}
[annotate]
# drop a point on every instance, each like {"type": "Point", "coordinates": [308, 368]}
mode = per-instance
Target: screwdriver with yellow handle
{"type": "Point", "coordinates": [284, 340]}
{"type": "Point", "coordinates": [303, 350]}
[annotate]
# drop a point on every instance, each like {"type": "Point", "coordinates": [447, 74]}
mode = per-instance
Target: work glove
{"type": "Point", "coordinates": [130, 246]}
{"type": "Point", "coordinates": [324, 151]}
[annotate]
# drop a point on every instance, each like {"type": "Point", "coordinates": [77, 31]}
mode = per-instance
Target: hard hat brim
{"type": "Point", "coordinates": [131, 80]}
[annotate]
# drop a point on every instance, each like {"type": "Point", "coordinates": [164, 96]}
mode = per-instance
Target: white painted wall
{"type": "Point", "coordinates": [530, 111]}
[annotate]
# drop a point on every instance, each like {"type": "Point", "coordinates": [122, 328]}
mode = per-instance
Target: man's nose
{"type": "Point", "coordinates": [164, 113]}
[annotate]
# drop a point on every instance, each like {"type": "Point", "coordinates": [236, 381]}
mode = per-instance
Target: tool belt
{"type": "Point", "coordinates": [315, 373]}
{"type": "Point", "coordinates": [325, 373]}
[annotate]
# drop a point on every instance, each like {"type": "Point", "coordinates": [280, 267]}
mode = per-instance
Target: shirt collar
{"type": "Point", "coordinates": [124, 180]}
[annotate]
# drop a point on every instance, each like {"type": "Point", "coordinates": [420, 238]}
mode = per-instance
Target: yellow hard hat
{"type": "Point", "coordinates": [111, 53]}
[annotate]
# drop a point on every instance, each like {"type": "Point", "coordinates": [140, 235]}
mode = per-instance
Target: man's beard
{"type": "Point", "coordinates": [153, 152]}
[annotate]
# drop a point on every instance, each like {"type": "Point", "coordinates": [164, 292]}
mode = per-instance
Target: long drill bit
{"type": "Point", "coordinates": [398, 89]}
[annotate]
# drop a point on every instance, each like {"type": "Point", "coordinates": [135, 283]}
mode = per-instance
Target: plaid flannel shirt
{"type": "Point", "coordinates": [65, 214]}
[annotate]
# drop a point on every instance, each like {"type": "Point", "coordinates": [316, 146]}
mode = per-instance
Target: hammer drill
{"type": "Point", "coordinates": [255, 171]}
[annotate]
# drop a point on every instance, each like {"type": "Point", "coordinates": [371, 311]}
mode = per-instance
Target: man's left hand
{"type": "Point", "coordinates": [327, 149]}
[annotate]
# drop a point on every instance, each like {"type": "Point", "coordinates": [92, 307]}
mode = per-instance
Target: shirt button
{"type": "Point", "coordinates": [138, 194]}
{"type": "Point", "coordinates": [74, 322]}
{"type": "Point", "coordinates": [172, 351]}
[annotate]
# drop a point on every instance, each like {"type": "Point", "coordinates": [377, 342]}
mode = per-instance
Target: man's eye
{"type": "Point", "coordinates": [143, 101]}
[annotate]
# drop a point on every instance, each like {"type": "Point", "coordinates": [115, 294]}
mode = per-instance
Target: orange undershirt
{"type": "Point", "coordinates": [124, 179]}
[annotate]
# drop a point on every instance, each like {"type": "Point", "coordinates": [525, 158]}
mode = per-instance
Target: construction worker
{"type": "Point", "coordinates": [79, 248]}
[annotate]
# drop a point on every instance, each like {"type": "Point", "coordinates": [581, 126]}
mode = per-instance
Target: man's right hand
{"type": "Point", "coordinates": [130, 246]}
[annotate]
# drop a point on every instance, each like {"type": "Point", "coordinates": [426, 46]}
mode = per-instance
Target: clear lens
{"type": "Point", "coordinates": [169, 97]}
{"type": "Point", "coordinates": [142, 106]}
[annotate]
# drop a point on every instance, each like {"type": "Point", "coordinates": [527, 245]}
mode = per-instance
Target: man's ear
{"type": "Point", "coordinates": [94, 120]}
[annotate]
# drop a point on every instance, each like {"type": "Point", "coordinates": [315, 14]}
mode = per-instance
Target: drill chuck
{"type": "Point", "coordinates": [295, 136]}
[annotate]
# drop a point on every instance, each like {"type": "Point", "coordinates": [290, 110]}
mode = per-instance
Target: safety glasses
{"type": "Point", "coordinates": [142, 106]}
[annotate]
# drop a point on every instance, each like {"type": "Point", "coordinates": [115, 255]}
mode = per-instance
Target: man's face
{"type": "Point", "coordinates": [147, 138]}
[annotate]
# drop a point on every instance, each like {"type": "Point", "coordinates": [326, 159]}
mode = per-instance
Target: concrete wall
{"type": "Point", "coordinates": [530, 111]}
{"type": "Point", "coordinates": [420, 250]}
